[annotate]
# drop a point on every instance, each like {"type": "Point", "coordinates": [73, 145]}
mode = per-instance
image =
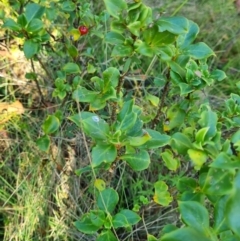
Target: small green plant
{"type": "Point", "coordinates": [170, 117]}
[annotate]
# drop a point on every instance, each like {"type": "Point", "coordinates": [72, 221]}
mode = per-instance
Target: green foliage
{"type": "Point", "coordinates": [171, 128]}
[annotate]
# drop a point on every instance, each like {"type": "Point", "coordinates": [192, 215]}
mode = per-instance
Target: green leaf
{"type": "Point", "coordinates": [92, 125]}
{"type": "Point", "coordinates": [137, 161]}
{"type": "Point", "coordinates": [187, 184]}
{"type": "Point", "coordinates": [170, 162]}
{"type": "Point", "coordinates": [139, 140]}
{"type": "Point", "coordinates": [197, 157]}
{"type": "Point", "coordinates": [111, 77]}
{"type": "Point", "coordinates": [224, 161]}
{"type": "Point", "coordinates": [218, 75]}
{"type": "Point", "coordinates": [122, 51]}
{"type": "Point", "coordinates": [220, 223]}
{"type": "Point", "coordinates": [151, 238]}
{"type": "Point", "coordinates": [71, 68]}
{"type": "Point", "coordinates": [85, 225]}
{"type": "Point", "coordinates": [209, 119]}
{"type": "Point", "coordinates": [106, 235]}
{"type": "Point", "coordinates": [72, 50]}
{"type": "Point", "coordinates": [43, 143]}
{"type": "Point", "coordinates": [175, 25]}
{"type": "Point", "coordinates": [161, 196]}
{"type": "Point", "coordinates": [103, 154]}
{"type": "Point", "coordinates": [35, 26]}
{"type": "Point", "coordinates": [186, 233]}
{"type": "Point", "coordinates": [143, 48]}
{"type": "Point", "coordinates": [217, 181]}
{"type": "Point", "coordinates": [195, 215]}
{"type": "Point", "coordinates": [51, 124]}
{"type": "Point", "coordinates": [125, 218]}
{"type": "Point", "coordinates": [114, 38]}
{"type": "Point", "coordinates": [175, 118]}
{"type": "Point", "coordinates": [68, 6]}
{"type": "Point", "coordinates": [100, 184]}
{"type": "Point", "coordinates": [198, 51]}
{"type": "Point", "coordinates": [184, 40]}
{"type": "Point", "coordinates": [22, 21]}
{"type": "Point", "coordinates": [134, 28]}
{"type": "Point", "coordinates": [115, 7]}
{"type": "Point", "coordinates": [97, 217]}
{"type": "Point", "coordinates": [107, 200]}
{"type": "Point", "coordinates": [201, 135]}
{"type": "Point", "coordinates": [30, 48]}
{"type": "Point", "coordinates": [11, 24]}
{"type": "Point", "coordinates": [33, 10]}
{"type": "Point", "coordinates": [232, 210]}
{"type": "Point", "coordinates": [96, 127]}
{"type": "Point", "coordinates": [180, 143]}
{"type": "Point", "coordinates": [82, 94]}
{"type": "Point", "coordinates": [157, 140]}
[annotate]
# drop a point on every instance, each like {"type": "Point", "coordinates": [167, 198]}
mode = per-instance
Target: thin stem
{"type": "Point", "coordinates": [179, 8]}
{"type": "Point", "coordinates": [44, 67]}
{"type": "Point", "coordinates": [162, 102]}
{"type": "Point", "coordinates": [37, 84]}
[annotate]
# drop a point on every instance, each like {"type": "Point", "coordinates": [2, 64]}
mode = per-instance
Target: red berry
{"type": "Point", "coordinates": [83, 30]}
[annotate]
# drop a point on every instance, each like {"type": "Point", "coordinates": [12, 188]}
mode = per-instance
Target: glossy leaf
{"type": "Point", "coordinates": [218, 75]}
{"type": "Point", "coordinates": [103, 153]}
{"type": "Point", "coordinates": [134, 28]}
{"type": "Point", "coordinates": [220, 223]}
{"type": "Point", "coordinates": [35, 26]}
{"type": "Point", "coordinates": [180, 143]}
{"type": "Point", "coordinates": [115, 7]}
{"type": "Point", "coordinates": [187, 184]}
{"type": "Point", "coordinates": [137, 161]}
{"type": "Point", "coordinates": [198, 51]}
{"type": "Point", "coordinates": [97, 217]}
{"type": "Point", "coordinates": [125, 218]}
{"type": "Point", "coordinates": [107, 200]}
{"type": "Point", "coordinates": [161, 195]}
{"type": "Point", "coordinates": [209, 119]}
{"type": "Point", "coordinates": [197, 157]}
{"type": "Point", "coordinates": [122, 51]}
{"type": "Point", "coordinates": [71, 68]}
{"type": "Point", "coordinates": [30, 48]}
{"type": "Point", "coordinates": [232, 210]}
{"type": "Point", "coordinates": [224, 161]}
{"type": "Point", "coordinates": [51, 124]}
{"type": "Point", "coordinates": [157, 140]}
{"type": "Point", "coordinates": [85, 225]}
{"type": "Point", "coordinates": [33, 10]}
{"type": "Point", "coordinates": [96, 127]}
{"type": "Point", "coordinates": [106, 235]}
{"type": "Point", "coordinates": [184, 40]}
{"type": "Point", "coordinates": [11, 24]}
{"type": "Point", "coordinates": [218, 181]}
{"type": "Point", "coordinates": [185, 233]}
{"type": "Point", "coordinates": [175, 25]}
{"type": "Point", "coordinates": [82, 94]}
{"type": "Point", "coordinates": [194, 215]}
{"type": "Point", "coordinates": [111, 77]}
{"type": "Point", "coordinates": [139, 140]}
{"type": "Point", "coordinates": [114, 38]}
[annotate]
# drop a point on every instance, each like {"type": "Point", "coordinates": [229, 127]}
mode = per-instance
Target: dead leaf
{"type": "Point", "coordinates": [8, 110]}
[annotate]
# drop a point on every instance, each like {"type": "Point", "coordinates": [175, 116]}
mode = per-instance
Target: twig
{"type": "Point", "coordinates": [44, 67]}
{"type": "Point", "coordinates": [161, 104]}
{"type": "Point", "coordinates": [37, 84]}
